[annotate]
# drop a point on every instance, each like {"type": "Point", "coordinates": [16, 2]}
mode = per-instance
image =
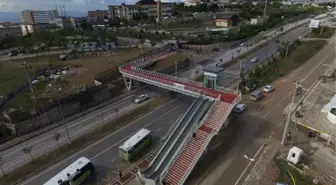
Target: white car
{"type": "Point", "coordinates": [239, 108]}
{"type": "Point", "coordinates": [141, 98]}
{"type": "Point", "coordinates": [268, 88]}
{"type": "Point", "coordinates": [254, 60]}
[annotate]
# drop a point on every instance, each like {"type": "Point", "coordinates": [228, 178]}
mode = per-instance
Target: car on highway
{"type": "Point", "coordinates": [141, 98]}
{"type": "Point", "coordinates": [268, 88]}
{"type": "Point", "coordinates": [254, 60]}
{"type": "Point", "coordinates": [239, 108]}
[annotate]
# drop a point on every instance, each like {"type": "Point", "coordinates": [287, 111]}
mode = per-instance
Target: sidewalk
{"type": "Point", "coordinates": [257, 172]}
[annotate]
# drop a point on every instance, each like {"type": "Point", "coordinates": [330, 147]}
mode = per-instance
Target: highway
{"type": "Point", "coordinates": [108, 145]}
{"type": "Point", "coordinates": [14, 157]}
{"type": "Point", "coordinates": [104, 153]}
{"type": "Point", "coordinates": [264, 122]}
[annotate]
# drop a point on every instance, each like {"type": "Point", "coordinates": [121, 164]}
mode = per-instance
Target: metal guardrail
{"type": "Point", "coordinates": [142, 78]}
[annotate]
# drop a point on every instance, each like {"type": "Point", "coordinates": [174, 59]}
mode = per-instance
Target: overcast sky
{"type": "Point", "coordinates": [77, 5]}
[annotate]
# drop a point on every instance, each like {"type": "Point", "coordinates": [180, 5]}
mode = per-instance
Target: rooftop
{"type": "Point", "coordinates": [135, 139]}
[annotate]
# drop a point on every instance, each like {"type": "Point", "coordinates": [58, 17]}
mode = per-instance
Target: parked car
{"type": "Point", "coordinates": [239, 108]}
{"type": "Point", "coordinates": [256, 95]}
{"type": "Point", "coordinates": [254, 60]}
{"type": "Point", "coordinates": [141, 98]}
{"type": "Point", "coordinates": [268, 88]}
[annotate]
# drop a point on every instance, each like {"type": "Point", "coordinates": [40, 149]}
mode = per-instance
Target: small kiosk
{"type": "Point", "coordinates": [210, 76]}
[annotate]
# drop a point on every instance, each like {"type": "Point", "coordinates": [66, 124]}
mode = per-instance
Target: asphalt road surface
{"type": "Point", "coordinates": [267, 115]}
{"type": "Point", "coordinates": [104, 153]}
{"type": "Point", "coordinates": [14, 157]}
{"type": "Point", "coordinates": [263, 53]}
{"type": "Point", "coordinates": [123, 133]}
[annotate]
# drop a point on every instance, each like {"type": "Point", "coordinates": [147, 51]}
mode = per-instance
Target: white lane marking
{"type": "Point", "coordinates": [268, 101]}
{"type": "Point", "coordinates": [317, 66]}
{"type": "Point", "coordinates": [265, 115]}
{"type": "Point", "coordinates": [94, 144]}
{"type": "Point", "coordinates": [133, 133]}
{"type": "Point", "coordinates": [256, 163]}
{"type": "Point", "coordinates": [159, 129]}
{"type": "Point", "coordinates": [248, 165]}
{"type": "Point", "coordinates": [287, 95]}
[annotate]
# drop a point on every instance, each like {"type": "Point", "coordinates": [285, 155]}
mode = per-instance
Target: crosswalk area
{"type": "Point", "coordinates": [231, 72]}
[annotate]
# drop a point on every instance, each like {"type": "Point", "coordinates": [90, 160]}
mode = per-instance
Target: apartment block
{"type": "Point", "coordinates": [9, 29]}
{"type": "Point", "coordinates": [97, 15]}
{"type": "Point", "coordinates": [145, 7]}
{"type": "Point", "coordinates": [38, 16]}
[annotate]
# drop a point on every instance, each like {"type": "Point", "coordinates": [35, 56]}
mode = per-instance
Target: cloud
{"type": "Point", "coordinates": [102, 2]}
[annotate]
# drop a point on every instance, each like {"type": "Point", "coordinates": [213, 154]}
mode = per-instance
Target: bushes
{"type": "Point", "coordinates": [274, 69]}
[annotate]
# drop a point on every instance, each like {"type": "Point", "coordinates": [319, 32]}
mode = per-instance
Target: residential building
{"type": "Point", "coordinates": [146, 7]}
{"type": "Point", "coordinates": [97, 15]}
{"type": "Point", "coordinates": [63, 22]}
{"type": "Point", "coordinates": [223, 22]}
{"type": "Point", "coordinates": [9, 29]}
{"type": "Point", "coordinates": [77, 21]}
{"type": "Point", "coordinates": [192, 2]}
{"type": "Point", "coordinates": [38, 16]}
{"type": "Point", "coordinates": [34, 28]}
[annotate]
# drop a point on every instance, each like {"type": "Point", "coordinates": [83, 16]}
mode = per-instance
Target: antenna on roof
{"type": "Point", "coordinates": [64, 12]}
{"type": "Point", "coordinates": [55, 1]}
{"type": "Point", "coordinates": [61, 12]}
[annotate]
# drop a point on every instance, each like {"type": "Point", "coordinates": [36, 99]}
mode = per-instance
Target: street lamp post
{"type": "Point", "coordinates": [62, 114]}
{"type": "Point", "coordinates": [25, 68]}
{"type": "Point", "coordinates": [289, 116]}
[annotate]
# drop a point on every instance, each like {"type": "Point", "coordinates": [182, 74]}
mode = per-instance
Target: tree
{"type": "Point", "coordinates": [1, 163]}
{"type": "Point", "coordinates": [57, 137]}
{"type": "Point", "coordinates": [28, 150]}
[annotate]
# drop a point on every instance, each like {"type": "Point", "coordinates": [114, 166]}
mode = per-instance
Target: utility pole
{"type": "Point", "coordinates": [283, 140]}
{"type": "Point", "coordinates": [321, 30]}
{"type": "Point", "coordinates": [265, 9]}
{"type": "Point", "coordinates": [25, 68]}
{"type": "Point", "coordinates": [62, 114]}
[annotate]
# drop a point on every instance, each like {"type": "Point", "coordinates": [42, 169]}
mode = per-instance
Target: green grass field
{"type": "Point", "coordinates": [12, 76]}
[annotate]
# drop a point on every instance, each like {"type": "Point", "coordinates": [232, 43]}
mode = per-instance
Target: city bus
{"type": "Point", "coordinates": [75, 174]}
{"type": "Point", "coordinates": [135, 144]}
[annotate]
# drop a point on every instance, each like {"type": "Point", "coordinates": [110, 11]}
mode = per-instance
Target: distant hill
{"type": "Point", "coordinates": [15, 16]}
{"type": "Point", "coordinates": [10, 16]}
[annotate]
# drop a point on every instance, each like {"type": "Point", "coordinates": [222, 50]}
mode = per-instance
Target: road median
{"type": "Point", "coordinates": [270, 71]}
{"type": "Point", "coordinates": [44, 161]}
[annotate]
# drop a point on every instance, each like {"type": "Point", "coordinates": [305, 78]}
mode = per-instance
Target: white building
{"type": "Point", "coordinates": [38, 16]}
{"type": "Point", "coordinates": [144, 7]}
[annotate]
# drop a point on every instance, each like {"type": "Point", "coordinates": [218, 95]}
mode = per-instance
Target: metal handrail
{"type": "Point", "coordinates": [183, 129]}
{"type": "Point", "coordinates": [197, 158]}
{"type": "Point", "coordinates": [188, 139]}
{"type": "Point", "coordinates": [165, 171]}
{"type": "Point", "coordinates": [170, 136]}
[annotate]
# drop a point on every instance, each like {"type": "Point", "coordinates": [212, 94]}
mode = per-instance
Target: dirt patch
{"type": "Point", "coordinates": [168, 61]}
{"type": "Point", "coordinates": [270, 174]}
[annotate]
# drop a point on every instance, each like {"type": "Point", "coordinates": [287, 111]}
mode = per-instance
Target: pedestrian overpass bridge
{"type": "Point", "coordinates": [193, 132]}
